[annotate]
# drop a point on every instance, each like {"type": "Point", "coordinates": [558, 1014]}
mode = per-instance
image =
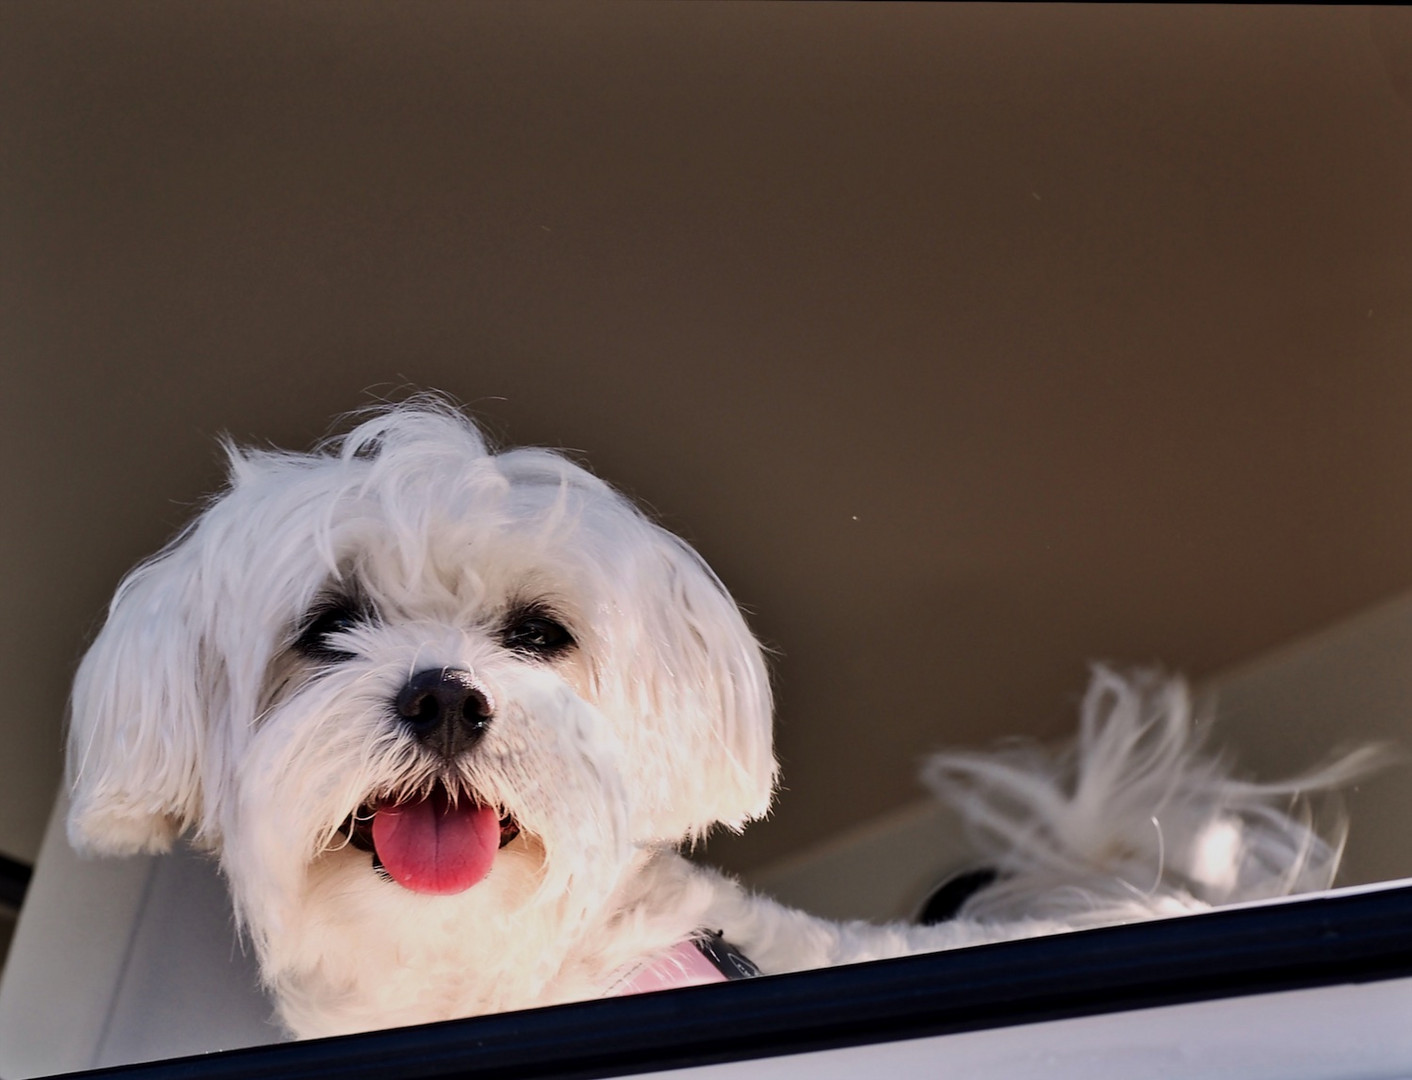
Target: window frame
{"type": "Point", "coordinates": [1356, 935]}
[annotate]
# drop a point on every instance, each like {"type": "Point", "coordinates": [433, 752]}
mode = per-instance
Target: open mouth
{"type": "Point", "coordinates": [433, 843]}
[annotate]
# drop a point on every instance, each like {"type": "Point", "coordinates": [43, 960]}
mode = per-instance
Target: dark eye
{"type": "Point", "coordinates": [325, 622]}
{"type": "Point", "coordinates": [536, 632]}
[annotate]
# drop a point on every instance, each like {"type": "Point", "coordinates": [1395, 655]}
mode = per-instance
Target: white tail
{"type": "Point", "coordinates": [1136, 816]}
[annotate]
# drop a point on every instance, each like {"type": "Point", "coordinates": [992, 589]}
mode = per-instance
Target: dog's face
{"type": "Point", "coordinates": [405, 678]}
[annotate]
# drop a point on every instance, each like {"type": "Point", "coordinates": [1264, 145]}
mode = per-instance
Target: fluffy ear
{"type": "Point", "coordinates": [711, 686]}
{"type": "Point", "coordinates": [137, 714]}
{"type": "Point", "coordinates": [682, 660]}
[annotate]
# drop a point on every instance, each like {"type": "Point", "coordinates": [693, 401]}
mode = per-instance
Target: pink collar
{"type": "Point", "coordinates": [704, 958]}
{"type": "Point", "coordinates": [683, 965]}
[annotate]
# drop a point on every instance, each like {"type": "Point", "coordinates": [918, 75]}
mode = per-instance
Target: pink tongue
{"type": "Point", "coordinates": [433, 847]}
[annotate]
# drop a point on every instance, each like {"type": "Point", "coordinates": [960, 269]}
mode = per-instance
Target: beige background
{"type": "Point", "coordinates": [968, 344]}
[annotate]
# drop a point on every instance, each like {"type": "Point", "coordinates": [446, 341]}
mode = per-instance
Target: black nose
{"type": "Point", "coordinates": [445, 709]}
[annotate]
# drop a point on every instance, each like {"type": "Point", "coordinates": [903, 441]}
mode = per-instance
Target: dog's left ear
{"type": "Point", "coordinates": [711, 694]}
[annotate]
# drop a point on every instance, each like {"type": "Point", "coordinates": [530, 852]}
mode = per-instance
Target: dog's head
{"type": "Point", "coordinates": [404, 662]}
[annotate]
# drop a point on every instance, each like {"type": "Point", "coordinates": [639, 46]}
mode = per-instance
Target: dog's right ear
{"type": "Point", "coordinates": [139, 712]}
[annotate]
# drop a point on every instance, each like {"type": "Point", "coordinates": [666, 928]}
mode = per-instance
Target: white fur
{"type": "Point", "coordinates": [194, 715]}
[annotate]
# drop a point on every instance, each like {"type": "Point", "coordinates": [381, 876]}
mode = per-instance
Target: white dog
{"type": "Point", "coordinates": [447, 716]}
